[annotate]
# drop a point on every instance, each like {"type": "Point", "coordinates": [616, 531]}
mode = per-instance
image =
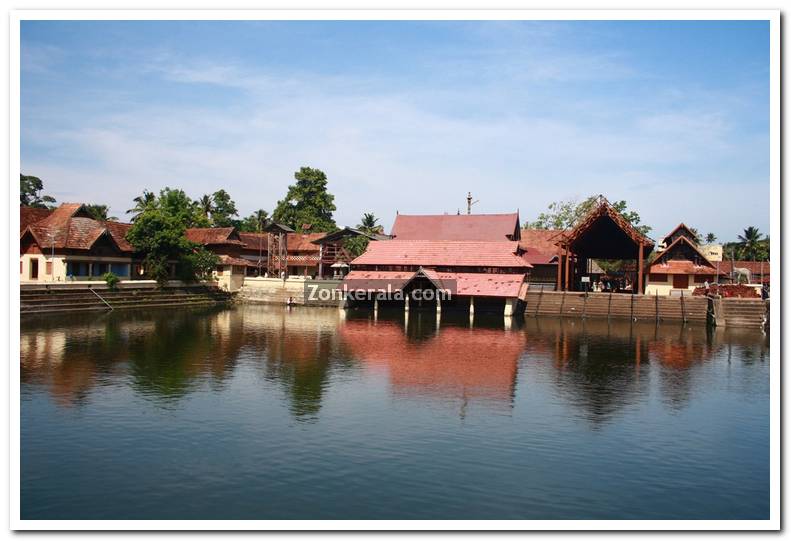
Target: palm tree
{"type": "Point", "coordinates": [142, 203]}
{"type": "Point", "coordinates": [206, 205]}
{"type": "Point", "coordinates": [750, 242]}
{"type": "Point", "coordinates": [711, 238]}
{"type": "Point", "coordinates": [261, 217]}
{"type": "Point", "coordinates": [368, 224]}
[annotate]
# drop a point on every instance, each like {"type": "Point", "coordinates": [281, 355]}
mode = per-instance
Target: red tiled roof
{"type": "Point", "coordinates": [472, 227]}
{"type": "Point", "coordinates": [666, 256]}
{"type": "Point", "coordinates": [542, 240]}
{"type": "Point", "coordinates": [431, 253]}
{"type": "Point", "coordinates": [534, 257]}
{"type": "Point", "coordinates": [681, 267]}
{"type": "Point", "coordinates": [460, 283]}
{"type": "Point", "coordinates": [303, 242]}
{"type": "Point", "coordinates": [297, 242]}
{"type": "Point", "coordinates": [211, 235]}
{"type": "Point", "coordinates": [30, 215]}
{"type": "Point", "coordinates": [682, 225]}
{"type": "Point", "coordinates": [68, 227]}
{"type": "Point", "coordinates": [230, 260]}
{"type": "Point", "coordinates": [753, 266]}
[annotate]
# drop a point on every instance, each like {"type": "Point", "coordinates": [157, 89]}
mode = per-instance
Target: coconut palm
{"type": "Point", "coordinates": [750, 242]}
{"type": "Point", "coordinates": [142, 203]}
{"type": "Point", "coordinates": [368, 224]}
{"type": "Point", "coordinates": [711, 238]}
{"type": "Point", "coordinates": [206, 205]}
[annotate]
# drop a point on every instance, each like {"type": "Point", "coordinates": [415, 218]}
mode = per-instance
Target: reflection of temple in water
{"type": "Point", "coordinates": [597, 366]}
{"type": "Point", "coordinates": [449, 363]}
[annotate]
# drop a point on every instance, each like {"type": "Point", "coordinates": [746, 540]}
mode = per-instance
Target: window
{"type": "Point", "coordinates": [48, 268]}
{"type": "Point", "coordinates": [658, 277]}
{"type": "Point", "coordinates": [119, 269]}
{"type": "Point", "coordinates": [100, 268]}
{"type": "Point", "coordinates": [76, 268]}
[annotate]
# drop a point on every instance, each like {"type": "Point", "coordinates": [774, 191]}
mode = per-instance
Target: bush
{"type": "Point", "coordinates": [111, 280]}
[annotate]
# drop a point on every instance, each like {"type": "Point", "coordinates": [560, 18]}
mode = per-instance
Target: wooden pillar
{"type": "Point", "coordinates": [568, 254]}
{"type": "Point", "coordinates": [560, 266]}
{"type": "Point", "coordinates": [640, 270]}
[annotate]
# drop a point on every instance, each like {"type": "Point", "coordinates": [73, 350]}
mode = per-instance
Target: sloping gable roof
{"type": "Point", "coordinates": [458, 227]}
{"type": "Point", "coordinates": [682, 227]}
{"type": "Point", "coordinates": [430, 253]}
{"type": "Point", "coordinates": [541, 240]}
{"type": "Point", "coordinates": [682, 250]}
{"type": "Point", "coordinates": [70, 230]}
{"type": "Point", "coordinates": [212, 235]}
{"type": "Point", "coordinates": [30, 215]}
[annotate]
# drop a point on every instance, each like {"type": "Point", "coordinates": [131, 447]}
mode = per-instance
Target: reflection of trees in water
{"type": "Point", "coordinates": [301, 352]}
{"type": "Point", "coordinates": [597, 367]}
{"type": "Point", "coordinates": [604, 367]}
{"type": "Point", "coordinates": [166, 350]}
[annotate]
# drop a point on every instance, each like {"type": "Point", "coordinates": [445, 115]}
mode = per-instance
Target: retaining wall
{"type": "Point", "coordinates": [616, 305]}
{"type": "Point", "coordinates": [278, 291]}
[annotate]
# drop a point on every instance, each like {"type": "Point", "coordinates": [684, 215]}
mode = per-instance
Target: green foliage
{"type": "Point", "coordinates": [143, 203]}
{"type": "Point", "coordinates": [566, 214]}
{"type": "Point", "coordinates": [30, 188]}
{"type": "Point", "coordinates": [254, 223]}
{"type": "Point", "coordinates": [177, 204]}
{"type": "Point", "coordinates": [197, 264]}
{"type": "Point", "coordinates": [307, 202]}
{"type": "Point", "coordinates": [99, 212]}
{"type": "Point", "coordinates": [223, 209]}
{"type": "Point", "coordinates": [159, 236]}
{"type": "Point", "coordinates": [368, 224]}
{"type": "Point", "coordinates": [751, 246]}
{"type": "Point", "coordinates": [111, 280]}
{"type": "Point", "coordinates": [711, 238]}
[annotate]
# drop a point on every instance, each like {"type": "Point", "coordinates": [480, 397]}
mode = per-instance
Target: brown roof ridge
{"type": "Point", "coordinates": [691, 244]}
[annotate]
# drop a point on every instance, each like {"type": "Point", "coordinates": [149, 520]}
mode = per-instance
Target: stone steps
{"type": "Point", "coordinates": [61, 300]}
{"type": "Point", "coordinates": [573, 304]}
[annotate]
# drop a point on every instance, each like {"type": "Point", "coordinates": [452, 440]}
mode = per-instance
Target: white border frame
{"type": "Point", "coordinates": [773, 16]}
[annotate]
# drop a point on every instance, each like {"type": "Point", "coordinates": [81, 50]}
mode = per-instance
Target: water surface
{"type": "Point", "coordinates": [261, 412]}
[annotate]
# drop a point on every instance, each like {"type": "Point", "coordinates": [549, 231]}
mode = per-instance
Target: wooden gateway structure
{"type": "Point", "coordinates": [602, 234]}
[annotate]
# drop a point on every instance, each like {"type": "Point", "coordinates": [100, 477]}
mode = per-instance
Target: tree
{"type": "Point", "coordinates": [368, 224]}
{"type": "Point", "coordinates": [30, 188]}
{"type": "Point", "coordinates": [177, 204]}
{"type": "Point", "coordinates": [696, 235]}
{"type": "Point", "coordinates": [307, 202]}
{"type": "Point", "coordinates": [206, 206]}
{"type": "Point", "coordinates": [567, 213]}
{"type": "Point", "coordinates": [159, 236]}
{"type": "Point", "coordinates": [255, 223]}
{"type": "Point", "coordinates": [750, 241]}
{"type": "Point", "coordinates": [197, 264]}
{"type": "Point", "coordinates": [142, 203]}
{"type": "Point", "coordinates": [711, 238]}
{"type": "Point", "coordinates": [223, 209]}
{"type": "Point", "coordinates": [99, 212]}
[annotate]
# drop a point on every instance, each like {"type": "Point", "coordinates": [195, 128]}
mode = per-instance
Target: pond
{"type": "Point", "coordinates": [263, 412]}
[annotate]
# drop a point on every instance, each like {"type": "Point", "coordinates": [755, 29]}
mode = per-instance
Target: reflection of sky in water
{"type": "Point", "coordinates": [410, 412]}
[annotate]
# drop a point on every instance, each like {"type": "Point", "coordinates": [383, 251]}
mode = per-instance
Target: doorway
{"type": "Point", "coordinates": [34, 269]}
{"type": "Point", "coordinates": [680, 281]}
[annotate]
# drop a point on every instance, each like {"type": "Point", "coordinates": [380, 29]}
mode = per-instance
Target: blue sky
{"type": "Point", "coordinates": [672, 116]}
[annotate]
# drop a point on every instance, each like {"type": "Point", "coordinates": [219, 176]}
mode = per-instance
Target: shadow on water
{"type": "Point", "coordinates": [598, 366]}
{"type": "Point", "coordinates": [268, 412]}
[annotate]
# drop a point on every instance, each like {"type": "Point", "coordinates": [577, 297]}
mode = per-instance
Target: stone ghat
{"type": "Point", "coordinates": [617, 305]}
